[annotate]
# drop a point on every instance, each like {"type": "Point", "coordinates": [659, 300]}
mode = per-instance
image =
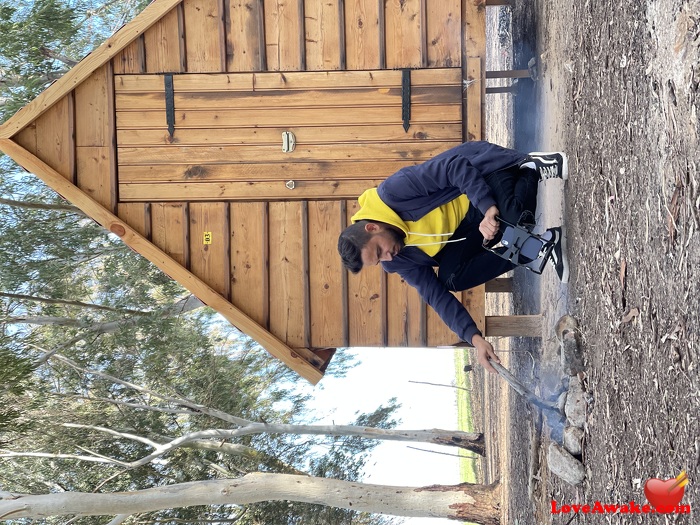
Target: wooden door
{"type": "Point", "coordinates": [227, 139]}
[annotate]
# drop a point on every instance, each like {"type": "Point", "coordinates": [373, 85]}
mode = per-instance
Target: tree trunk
{"type": "Point", "coordinates": [464, 502]}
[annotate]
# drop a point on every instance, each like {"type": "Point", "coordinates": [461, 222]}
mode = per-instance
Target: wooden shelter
{"type": "Point", "coordinates": [227, 141]}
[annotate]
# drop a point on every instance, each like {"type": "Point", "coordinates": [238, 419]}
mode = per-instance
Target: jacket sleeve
{"type": "Point", "coordinates": [451, 311]}
{"type": "Point", "coordinates": [445, 175]}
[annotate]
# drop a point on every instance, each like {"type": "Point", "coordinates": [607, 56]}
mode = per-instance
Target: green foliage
{"type": "Point", "coordinates": [15, 374]}
{"type": "Point", "coordinates": [41, 39]}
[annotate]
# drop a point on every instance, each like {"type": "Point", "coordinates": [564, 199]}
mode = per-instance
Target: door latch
{"type": "Point", "coordinates": [289, 141]}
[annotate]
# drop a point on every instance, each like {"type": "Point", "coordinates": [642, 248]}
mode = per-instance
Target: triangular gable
{"type": "Point", "coordinates": [101, 136]}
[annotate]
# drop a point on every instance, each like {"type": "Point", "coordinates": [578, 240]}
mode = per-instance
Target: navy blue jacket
{"type": "Point", "coordinates": [414, 191]}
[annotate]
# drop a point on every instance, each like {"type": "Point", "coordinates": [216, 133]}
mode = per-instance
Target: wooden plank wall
{"type": "Point", "coordinates": [282, 269]}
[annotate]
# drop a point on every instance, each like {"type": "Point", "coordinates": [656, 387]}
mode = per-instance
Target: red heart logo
{"type": "Point", "coordinates": [662, 493]}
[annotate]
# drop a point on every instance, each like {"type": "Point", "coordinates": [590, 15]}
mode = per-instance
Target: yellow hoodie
{"type": "Point", "coordinates": [429, 234]}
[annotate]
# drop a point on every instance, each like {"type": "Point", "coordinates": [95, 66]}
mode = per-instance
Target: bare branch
{"type": "Point", "coordinates": [185, 305]}
{"type": "Point", "coordinates": [138, 406]}
{"type": "Point", "coordinates": [69, 302]}
{"type": "Point", "coordinates": [523, 390]}
{"type": "Point", "coordinates": [44, 320]}
{"type": "Point", "coordinates": [440, 384]}
{"type": "Point", "coordinates": [54, 55]}
{"type": "Point", "coordinates": [121, 518]}
{"type": "Point", "coordinates": [42, 206]}
{"type": "Point", "coordinates": [170, 399]}
{"type": "Point", "coordinates": [111, 432]}
{"type": "Point", "coordinates": [62, 456]}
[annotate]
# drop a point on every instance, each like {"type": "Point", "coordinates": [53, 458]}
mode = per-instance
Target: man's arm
{"type": "Point", "coordinates": [451, 311]}
{"type": "Point", "coordinates": [446, 176]}
{"type": "Point", "coordinates": [439, 298]}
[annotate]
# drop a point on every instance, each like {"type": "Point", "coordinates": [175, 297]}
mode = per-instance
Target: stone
{"type": "Point", "coordinates": [570, 352]}
{"type": "Point", "coordinates": [571, 355]}
{"type": "Point", "coordinates": [566, 323]}
{"type": "Point", "coordinates": [561, 401]}
{"type": "Point", "coordinates": [563, 465]}
{"type": "Point", "coordinates": [575, 406]}
{"type": "Point", "coordinates": [573, 437]}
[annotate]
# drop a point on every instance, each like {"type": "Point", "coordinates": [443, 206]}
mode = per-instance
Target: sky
{"type": "Point", "coordinates": [386, 373]}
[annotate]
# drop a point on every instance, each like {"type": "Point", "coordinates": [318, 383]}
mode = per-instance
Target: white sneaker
{"type": "Point", "coordinates": [549, 165]}
{"type": "Point", "coordinates": [558, 258]}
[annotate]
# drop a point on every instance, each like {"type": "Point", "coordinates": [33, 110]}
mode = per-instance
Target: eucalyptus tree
{"type": "Point", "coordinates": [128, 459]}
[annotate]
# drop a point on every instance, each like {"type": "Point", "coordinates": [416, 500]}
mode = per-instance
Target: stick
{"type": "Point", "coordinates": [522, 389]}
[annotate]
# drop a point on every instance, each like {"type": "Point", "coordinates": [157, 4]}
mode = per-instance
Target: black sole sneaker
{"type": "Point", "coordinates": [558, 258]}
{"type": "Point", "coordinates": [550, 165]}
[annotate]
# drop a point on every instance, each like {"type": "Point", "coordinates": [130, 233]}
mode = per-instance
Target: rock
{"type": "Point", "coordinates": [566, 330]}
{"type": "Point", "coordinates": [561, 401]}
{"type": "Point", "coordinates": [571, 355]}
{"type": "Point", "coordinates": [575, 406]}
{"type": "Point", "coordinates": [573, 436]}
{"type": "Point", "coordinates": [565, 324]}
{"type": "Point", "coordinates": [564, 465]}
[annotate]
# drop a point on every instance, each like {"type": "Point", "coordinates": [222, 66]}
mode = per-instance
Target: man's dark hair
{"type": "Point", "coordinates": [350, 244]}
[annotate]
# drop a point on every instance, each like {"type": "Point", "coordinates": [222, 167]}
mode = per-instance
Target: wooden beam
{"type": "Point", "coordinates": [513, 326]}
{"type": "Point", "coordinates": [382, 34]}
{"type": "Point", "coordinates": [344, 281]}
{"type": "Point", "coordinates": [108, 50]}
{"type": "Point", "coordinates": [291, 357]}
{"type": "Point", "coordinates": [341, 35]}
{"type": "Point", "coordinates": [509, 73]}
{"type": "Point", "coordinates": [473, 112]}
{"type": "Point", "coordinates": [500, 285]}
{"type": "Point", "coordinates": [474, 300]}
{"type": "Point", "coordinates": [474, 28]}
{"type": "Point", "coordinates": [423, 34]}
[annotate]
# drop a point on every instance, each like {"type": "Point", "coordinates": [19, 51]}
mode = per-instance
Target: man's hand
{"type": "Point", "coordinates": [484, 352]}
{"type": "Point", "coordinates": [489, 226]}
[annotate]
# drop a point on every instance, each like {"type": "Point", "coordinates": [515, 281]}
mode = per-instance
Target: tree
{"type": "Point", "coordinates": [465, 502]}
{"type": "Point", "coordinates": [135, 455]}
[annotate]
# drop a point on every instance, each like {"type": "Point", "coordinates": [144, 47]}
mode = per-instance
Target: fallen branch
{"type": "Point", "coordinates": [523, 390]}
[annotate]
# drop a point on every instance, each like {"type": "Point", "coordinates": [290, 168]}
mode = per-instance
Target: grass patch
{"type": "Point", "coordinates": [465, 421]}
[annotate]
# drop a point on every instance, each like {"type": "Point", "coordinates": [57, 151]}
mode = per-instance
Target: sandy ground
{"type": "Point", "coordinates": [617, 88]}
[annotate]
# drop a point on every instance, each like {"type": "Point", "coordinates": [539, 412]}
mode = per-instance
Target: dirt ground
{"type": "Point", "coordinates": [617, 88]}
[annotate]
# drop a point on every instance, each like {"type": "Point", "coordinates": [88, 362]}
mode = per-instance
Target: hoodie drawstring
{"type": "Point", "coordinates": [432, 235]}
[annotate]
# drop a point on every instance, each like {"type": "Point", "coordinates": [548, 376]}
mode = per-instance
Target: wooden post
{"type": "Point", "coordinates": [509, 73]}
{"type": "Point", "coordinates": [500, 285]}
{"type": "Point", "coordinates": [513, 325]}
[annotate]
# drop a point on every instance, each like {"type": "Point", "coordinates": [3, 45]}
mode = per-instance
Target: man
{"type": "Point", "coordinates": [440, 213]}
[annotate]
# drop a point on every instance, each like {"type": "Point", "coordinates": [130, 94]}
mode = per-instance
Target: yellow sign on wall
{"type": "Point", "coordinates": [207, 237]}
